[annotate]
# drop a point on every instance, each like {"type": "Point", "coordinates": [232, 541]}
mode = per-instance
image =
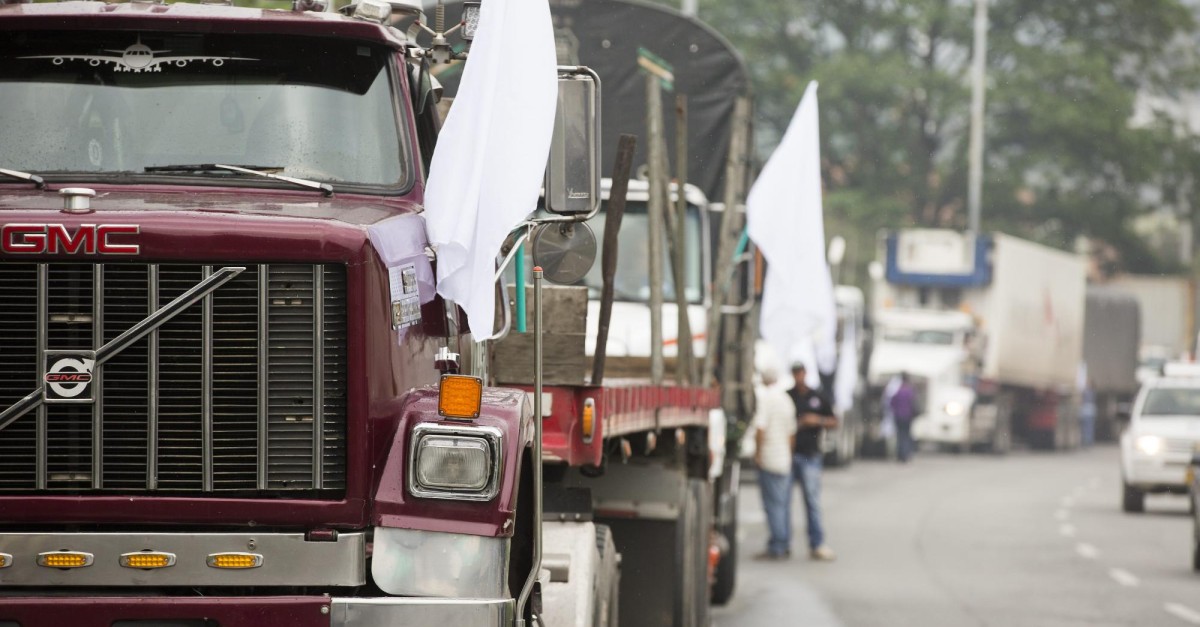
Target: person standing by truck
{"type": "Point", "coordinates": [1087, 414]}
{"type": "Point", "coordinates": [814, 414]}
{"type": "Point", "coordinates": [904, 408]}
{"type": "Point", "coordinates": [774, 438]}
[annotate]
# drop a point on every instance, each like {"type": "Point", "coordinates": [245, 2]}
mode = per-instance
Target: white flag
{"type": "Point", "coordinates": [487, 169]}
{"type": "Point", "coordinates": [784, 218]}
{"type": "Point", "coordinates": [846, 379]}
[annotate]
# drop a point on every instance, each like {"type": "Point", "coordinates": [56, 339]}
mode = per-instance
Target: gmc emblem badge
{"type": "Point", "coordinates": [92, 239]}
{"type": "Point", "coordinates": [68, 377]}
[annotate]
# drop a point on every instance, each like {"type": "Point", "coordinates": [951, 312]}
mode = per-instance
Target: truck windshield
{"type": "Point", "coordinates": [632, 281]}
{"type": "Point", "coordinates": [106, 103]}
{"type": "Point", "coordinates": [911, 336]}
{"type": "Point", "coordinates": [1172, 402]}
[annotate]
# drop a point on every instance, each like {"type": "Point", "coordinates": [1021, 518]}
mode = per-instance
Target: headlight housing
{"type": "Point", "coordinates": [454, 462]}
{"type": "Point", "coordinates": [1150, 444]}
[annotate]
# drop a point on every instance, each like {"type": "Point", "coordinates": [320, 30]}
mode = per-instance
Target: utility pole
{"type": "Point", "coordinates": [978, 91]}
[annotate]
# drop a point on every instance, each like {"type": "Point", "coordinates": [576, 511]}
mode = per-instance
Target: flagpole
{"type": "Point", "coordinates": [978, 92]}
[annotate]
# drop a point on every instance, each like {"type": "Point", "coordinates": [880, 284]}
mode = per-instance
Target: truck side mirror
{"type": "Point", "coordinates": [573, 173]}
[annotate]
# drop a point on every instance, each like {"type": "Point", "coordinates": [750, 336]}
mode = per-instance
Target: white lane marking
{"type": "Point", "coordinates": [1067, 530]}
{"type": "Point", "coordinates": [1183, 613]}
{"type": "Point", "coordinates": [1123, 577]}
{"type": "Point", "coordinates": [1087, 551]}
{"type": "Point", "coordinates": [1061, 514]}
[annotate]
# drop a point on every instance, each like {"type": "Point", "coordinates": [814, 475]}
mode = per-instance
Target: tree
{"type": "Point", "coordinates": [1077, 138]}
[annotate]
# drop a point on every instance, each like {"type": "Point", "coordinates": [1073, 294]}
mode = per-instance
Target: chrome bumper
{"type": "Point", "coordinates": [388, 612]}
{"type": "Point", "coordinates": [1157, 473]}
{"type": "Point", "coordinates": [276, 611]}
{"type": "Point", "coordinates": [287, 559]}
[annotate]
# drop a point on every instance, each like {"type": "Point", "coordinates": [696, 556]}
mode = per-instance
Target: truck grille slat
{"type": "Point", "coordinates": [254, 402]}
{"type": "Point", "coordinates": [18, 349]}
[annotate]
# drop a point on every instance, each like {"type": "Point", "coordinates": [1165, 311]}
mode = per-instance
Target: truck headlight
{"type": "Point", "coordinates": [453, 462]}
{"type": "Point", "coordinates": [1150, 444]}
{"type": "Point", "coordinates": [955, 408]}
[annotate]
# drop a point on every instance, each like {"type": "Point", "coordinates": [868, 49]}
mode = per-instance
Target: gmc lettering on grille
{"type": "Point", "coordinates": [102, 239]}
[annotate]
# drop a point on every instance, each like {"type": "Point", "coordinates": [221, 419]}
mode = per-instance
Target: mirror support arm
{"type": "Point", "coordinates": [517, 248]}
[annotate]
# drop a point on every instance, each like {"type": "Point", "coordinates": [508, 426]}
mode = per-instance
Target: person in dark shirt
{"type": "Point", "coordinates": [904, 409]}
{"type": "Point", "coordinates": [814, 414]}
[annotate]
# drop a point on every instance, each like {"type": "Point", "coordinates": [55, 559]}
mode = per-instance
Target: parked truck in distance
{"type": "Point", "coordinates": [990, 329]}
{"type": "Point", "coordinates": [1168, 318]}
{"type": "Point", "coordinates": [846, 386]}
{"type": "Point", "coordinates": [1112, 330]}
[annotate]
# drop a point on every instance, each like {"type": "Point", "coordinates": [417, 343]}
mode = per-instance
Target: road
{"type": "Point", "coordinates": [949, 540]}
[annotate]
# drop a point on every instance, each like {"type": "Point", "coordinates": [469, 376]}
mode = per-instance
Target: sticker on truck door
{"type": "Point", "coordinates": [406, 296]}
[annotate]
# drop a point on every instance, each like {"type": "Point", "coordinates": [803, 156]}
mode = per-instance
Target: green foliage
{"type": "Point", "coordinates": [1074, 144]}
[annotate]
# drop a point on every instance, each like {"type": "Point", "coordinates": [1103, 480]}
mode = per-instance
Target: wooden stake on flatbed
{"type": "Point", "coordinates": [654, 219]}
{"type": "Point", "coordinates": [622, 166]}
{"type": "Point", "coordinates": [735, 175]}
{"type": "Point", "coordinates": [685, 367]}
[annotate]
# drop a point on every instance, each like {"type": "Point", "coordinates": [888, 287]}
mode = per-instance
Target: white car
{"type": "Point", "coordinates": [1157, 447]}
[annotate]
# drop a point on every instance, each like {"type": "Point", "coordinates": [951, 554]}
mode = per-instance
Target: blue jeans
{"type": "Point", "coordinates": [777, 501]}
{"type": "Point", "coordinates": [1087, 428]}
{"type": "Point", "coordinates": [807, 471]}
{"type": "Point", "coordinates": [904, 440]}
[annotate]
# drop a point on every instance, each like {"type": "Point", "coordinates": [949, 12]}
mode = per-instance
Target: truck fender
{"type": "Point", "coordinates": [503, 411]}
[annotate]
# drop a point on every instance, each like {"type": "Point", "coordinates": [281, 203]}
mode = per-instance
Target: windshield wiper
{"type": "Point", "coordinates": [326, 188]}
{"type": "Point", "coordinates": [25, 176]}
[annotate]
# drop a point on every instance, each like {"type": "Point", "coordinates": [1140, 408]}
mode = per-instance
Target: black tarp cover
{"type": "Point", "coordinates": [605, 35]}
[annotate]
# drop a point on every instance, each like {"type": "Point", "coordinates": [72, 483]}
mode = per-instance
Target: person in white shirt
{"type": "Point", "coordinates": [775, 432]}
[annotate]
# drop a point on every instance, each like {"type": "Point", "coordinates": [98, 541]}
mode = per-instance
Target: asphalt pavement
{"type": "Point", "coordinates": [959, 540]}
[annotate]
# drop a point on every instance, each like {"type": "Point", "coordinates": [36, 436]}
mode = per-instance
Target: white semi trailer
{"type": "Point", "coordinates": [990, 329]}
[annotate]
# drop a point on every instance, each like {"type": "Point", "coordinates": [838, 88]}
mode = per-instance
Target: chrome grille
{"type": "Point", "coordinates": [1180, 446]}
{"type": "Point", "coordinates": [243, 392]}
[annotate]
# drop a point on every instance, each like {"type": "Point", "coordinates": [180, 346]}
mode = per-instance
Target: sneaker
{"type": "Point", "coordinates": [767, 556]}
{"type": "Point", "coordinates": [823, 554]}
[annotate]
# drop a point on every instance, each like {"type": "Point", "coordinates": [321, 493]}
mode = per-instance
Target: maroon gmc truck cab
{"type": "Point", "coordinates": [218, 327]}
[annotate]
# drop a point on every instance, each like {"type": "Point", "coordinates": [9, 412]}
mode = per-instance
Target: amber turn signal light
{"type": "Point", "coordinates": [65, 559]}
{"type": "Point", "coordinates": [587, 424]}
{"type": "Point", "coordinates": [460, 396]}
{"type": "Point", "coordinates": [147, 560]}
{"type": "Point", "coordinates": [235, 561]}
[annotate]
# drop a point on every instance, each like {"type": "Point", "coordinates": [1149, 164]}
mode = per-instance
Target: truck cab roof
{"type": "Point", "coordinates": [639, 191]}
{"type": "Point", "coordinates": [185, 16]}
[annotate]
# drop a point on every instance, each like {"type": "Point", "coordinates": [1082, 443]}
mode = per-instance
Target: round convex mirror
{"type": "Point", "coordinates": [565, 251]}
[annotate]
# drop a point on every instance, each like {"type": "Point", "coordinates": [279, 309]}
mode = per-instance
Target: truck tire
{"type": "Point", "coordinates": [1195, 554]}
{"type": "Point", "coordinates": [847, 453]}
{"type": "Point", "coordinates": [691, 600]}
{"type": "Point", "coordinates": [606, 610]}
{"type": "Point", "coordinates": [664, 562]}
{"type": "Point", "coordinates": [1001, 442]}
{"type": "Point", "coordinates": [725, 577]}
{"type": "Point", "coordinates": [1133, 500]}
